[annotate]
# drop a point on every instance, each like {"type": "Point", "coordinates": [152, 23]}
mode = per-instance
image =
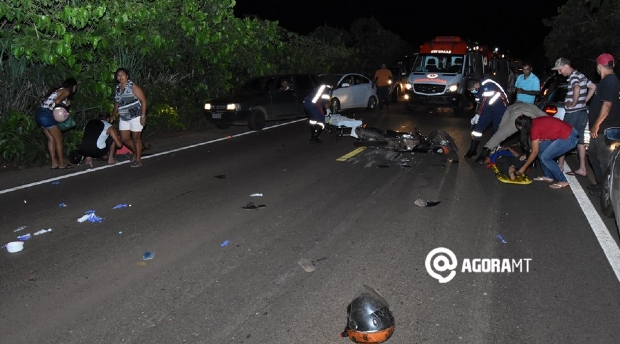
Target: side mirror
{"type": "Point", "coordinates": [612, 134]}
{"type": "Point", "coordinates": [345, 84]}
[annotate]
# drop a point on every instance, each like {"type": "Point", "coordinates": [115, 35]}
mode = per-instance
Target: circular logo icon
{"type": "Point", "coordinates": [441, 259]}
{"type": "Point", "coordinates": [432, 76]}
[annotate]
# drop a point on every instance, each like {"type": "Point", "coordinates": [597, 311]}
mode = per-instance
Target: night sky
{"type": "Point", "coordinates": [515, 26]}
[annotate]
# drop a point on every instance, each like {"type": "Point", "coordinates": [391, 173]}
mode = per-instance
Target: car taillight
{"type": "Point", "coordinates": [550, 110]}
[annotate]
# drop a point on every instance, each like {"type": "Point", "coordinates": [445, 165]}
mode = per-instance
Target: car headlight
{"type": "Point", "coordinates": [408, 86]}
{"type": "Point", "coordinates": [389, 82]}
{"type": "Point", "coordinates": [207, 106]}
{"type": "Point", "coordinates": [453, 88]}
{"type": "Point", "coordinates": [231, 107]}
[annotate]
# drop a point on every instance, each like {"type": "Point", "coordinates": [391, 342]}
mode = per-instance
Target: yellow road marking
{"type": "Point", "coordinates": [351, 154]}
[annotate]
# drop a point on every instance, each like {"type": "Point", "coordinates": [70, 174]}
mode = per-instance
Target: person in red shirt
{"type": "Point", "coordinates": [546, 138]}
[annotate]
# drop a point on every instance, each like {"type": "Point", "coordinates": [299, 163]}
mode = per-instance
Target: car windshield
{"type": "Point", "coordinates": [330, 79]}
{"type": "Point", "coordinates": [438, 63]}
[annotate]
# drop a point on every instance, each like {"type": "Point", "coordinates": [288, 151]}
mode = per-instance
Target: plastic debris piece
{"type": "Point", "coordinates": [306, 264]}
{"type": "Point", "coordinates": [256, 195]}
{"type": "Point", "coordinates": [221, 176]}
{"type": "Point", "coordinates": [89, 212]}
{"type": "Point", "coordinates": [251, 206]}
{"type": "Point", "coordinates": [62, 205]}
{"type": "Point", "coordinates": [422, 203]}
{"type": "Point", "coordinates": [120, 232]}
{"type": "Point", "coordinates": [21, 228]}
{"type": "Point", "coordinates": [90, 217]}
{"type": "Point", "coordinates": [225, 243]}
{"type": "Point", "coordinates": [43, 231]}
{"type": "Point", "coordinates": [24, 237]}
{"type": "Point", "coordinates": [148, 255]}
{"type": "Point", "coordinates": [55, 183]}
{"type": "Point", "coordinates": [118, 206]}
{"type": "Point", "coordinates": [502, 239]}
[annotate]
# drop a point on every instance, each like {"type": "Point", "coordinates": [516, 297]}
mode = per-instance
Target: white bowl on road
{"type": "Point", "coordinates": [15, 246]}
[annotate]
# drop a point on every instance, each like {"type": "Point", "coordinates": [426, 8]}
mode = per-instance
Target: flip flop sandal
{"type": "Point", "coordinates": [558, 186]}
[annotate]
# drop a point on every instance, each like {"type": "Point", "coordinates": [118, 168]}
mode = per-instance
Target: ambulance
{"type": "Point", "coordinates": [440, 72]}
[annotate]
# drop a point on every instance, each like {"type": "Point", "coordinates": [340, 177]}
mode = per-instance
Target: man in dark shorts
{"type": "Point", "coordinates": [100, 138]}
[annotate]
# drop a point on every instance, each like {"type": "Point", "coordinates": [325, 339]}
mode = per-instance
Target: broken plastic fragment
{"type": "Point", "coordinates": [251, 205]}
{"type": "Point", "coordinates": [55, 183]}
{"type": "Point", "coordinates": [148, 255]}
{"type": "Point", "coordinates": [89, 212]}
{"type": "Point", "coordinates": [24, 237]}
{"type": "Point", "coordinates": [226, 242]}
{"type": "Point", "coordinates": [19, 229]}
{"type": "Point", "coordinates": [422, 203]}
{"type": "Point", "coordinates": [118, 206]}
{"type": "Point", "coordinates": [43, 231]}
{"type": "Point", "coordinates": [256, 195]}
{"type": "Point", "coordinates": [221, 176]}
{"type": "Point", "coordinates": [502, 239]}
{"type": "Point", "coordinates": [91, 217]}
{"type": "Point", "coordinates": [306, 264]}
{"type": "Point", "coordinates": [62, 205]}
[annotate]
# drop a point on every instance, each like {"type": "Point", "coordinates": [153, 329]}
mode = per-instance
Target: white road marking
{"type": "Point", "coordinates": [607, 242]}
{"type": "Point", "coordinates": [25, 186]}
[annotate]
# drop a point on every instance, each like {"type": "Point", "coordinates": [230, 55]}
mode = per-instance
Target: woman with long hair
{"type": "Point", "coordinates": [45, 119]}
{"type": "Point", "coordinates": [546, 138]}
{"type": "Point", "coordinates": [130, 106]}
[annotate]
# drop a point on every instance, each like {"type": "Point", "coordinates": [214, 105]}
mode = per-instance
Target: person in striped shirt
{"type": "Point", "coordinates": [579, 92]}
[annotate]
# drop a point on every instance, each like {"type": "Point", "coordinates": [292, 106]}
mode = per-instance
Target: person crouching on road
{"type": "Point", "coordinates": [493, 104]}
{"type": "Point", "coordinates": [100, 138]}
{"type": "Point", "coordinates": [507, 126]}
{"type": "Point", "coordinates": [546, 138]}
{"type": "Point", "coordinates": [314, 106]}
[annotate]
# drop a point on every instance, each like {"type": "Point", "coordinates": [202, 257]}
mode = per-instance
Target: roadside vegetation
{"type": "Point", "coordinates": [200, 52]}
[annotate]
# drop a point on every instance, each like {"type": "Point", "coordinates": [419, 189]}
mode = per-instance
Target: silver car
{"type": "Point", "coordinates": [610, 195]}
{"type": "Point", "coordinates": [350, 91]}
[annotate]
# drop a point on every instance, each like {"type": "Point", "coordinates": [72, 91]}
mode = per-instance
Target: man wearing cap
{"type": "Point", "coordinates": [604, 113]}
{"type": "Point", "coordinates": [579, 92]}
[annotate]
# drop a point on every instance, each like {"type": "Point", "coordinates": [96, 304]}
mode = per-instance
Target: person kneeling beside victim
{"type": "Point", "coordinates": [100, 138]}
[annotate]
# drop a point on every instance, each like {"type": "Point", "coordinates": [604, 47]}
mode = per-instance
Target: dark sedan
{"type": "Point", "coordinates": [262, 99]}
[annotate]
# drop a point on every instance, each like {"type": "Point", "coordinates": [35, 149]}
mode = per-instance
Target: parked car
{"type": "Point", "coordinates": [552, 99]}
{"type": "Point", "coordinates": [350, 91]}
{"type": "Point", "coordinates": [610, 195]}
{"type": "Point", "coordinates": [260, 99]}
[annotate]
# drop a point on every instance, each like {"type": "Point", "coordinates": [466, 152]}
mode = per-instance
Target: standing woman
{"type": "Point", "coordinates": [45, 119]}
{"type": "Point", "coordinates": [546, 138]}
{"type": "Point", "coordinates": [130, 105]}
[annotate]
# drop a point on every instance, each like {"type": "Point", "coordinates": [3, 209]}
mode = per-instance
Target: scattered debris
{"type": "Point", "coordinates": [306, 264]}
{"type": "Point", "coordinates": [24, 237]}
{"type": "Point", "coordinates": [251, 206]}
{"type": "Point", "coordinates": [502, 239]}
{"type": "Point", "coordinates": [62, 205]}
{"type": "Point", "coordinates": [90, 216]}
{"type": "Point", "coordinates": [119, 232]}
{"type": "Point", "coordinates": [120, 206]}
{"type": "Point", "coordinates": [19, 229]}
{"type": "Point", "coordinates": [148, 255]}
{"type": "Point", "coordinates": [43, 231]}
{"type": "Point", "coordinates": [14, 246]}
{"type": "Point", "coordinates": [422, 203]}
{"type": "Point", "coordinates": [221, 176]}
{"type": "Point", "coordinates": [225, 243]}
{"type": "Point", "coordinates": [256, 195]}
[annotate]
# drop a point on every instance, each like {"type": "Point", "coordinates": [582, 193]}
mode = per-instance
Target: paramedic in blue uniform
{"type": "Point", "coordinates": [493, 103]}
{"type": "Point", "coordinates": [314, 106]}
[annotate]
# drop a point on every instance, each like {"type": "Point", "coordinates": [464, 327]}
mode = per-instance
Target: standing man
{"type": "Point", "coordinates": [383, 78]}
{"type": "Point", "coordinates": [527, 85]}
{"type": "Point", "coordinates": [579, 92]}
{"type": "Point", "coordinates": [493, 104]}
{"type": "Point", "coordinates": [507, 126]}
{"type": "Point", "coordinates": [604, 113]}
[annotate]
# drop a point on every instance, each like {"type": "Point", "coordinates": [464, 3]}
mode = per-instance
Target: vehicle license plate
{"type": "Point", "coordinates": [216, 115]}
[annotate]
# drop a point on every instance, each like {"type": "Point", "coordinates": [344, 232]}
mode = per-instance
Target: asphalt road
{"type": "Point", "coordinates": [223, 274]}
